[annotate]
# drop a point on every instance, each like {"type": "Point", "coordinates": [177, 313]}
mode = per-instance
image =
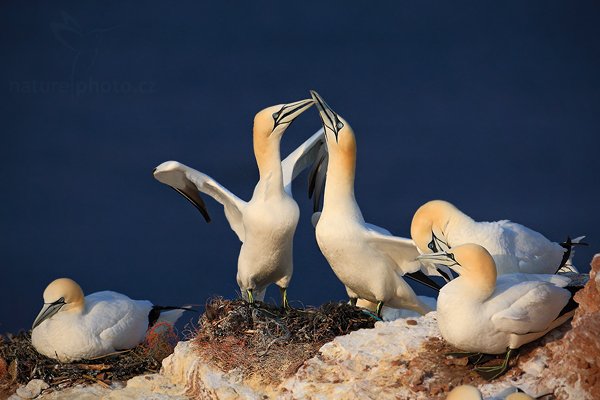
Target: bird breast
{"type": "Point", "coordinates": [465, 323]}
{"type": "Point", "coordinates": [272, 220]}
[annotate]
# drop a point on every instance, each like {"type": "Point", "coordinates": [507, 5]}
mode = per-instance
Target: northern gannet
{"type": "Point", "coordinates": [368, 260]}
{"type": "Point", "coordinates": [481, 312]}
{"type": "Point", "coordinates": [439, 225]}
{"type": "Point", "coordinates": [266, 224]}
{"type": "Point", "coordinates": [72, 327]}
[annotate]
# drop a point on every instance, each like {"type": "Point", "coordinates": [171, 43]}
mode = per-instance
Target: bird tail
{"type": "Point", "coordinates": [168, 314]}
{"type": "Point", "coordinates": [566, 265]}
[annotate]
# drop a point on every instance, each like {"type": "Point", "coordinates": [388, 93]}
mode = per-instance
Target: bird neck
{"type": "Point", "coordinates": [339, 188]}
{"type": "Point", "coordinates": [457, 221]}
{"type": "Point", "coordinates": [75, 307]}
{"type": "Point", "coordinates": [480, 285]}
{"type": "Point", "coordinates": [268, 159]}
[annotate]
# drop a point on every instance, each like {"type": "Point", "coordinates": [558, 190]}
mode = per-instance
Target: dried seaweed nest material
{"type": "Point", "coordinates": [23, 363]}
{"type": "Point", "coordinates": [269, 343]}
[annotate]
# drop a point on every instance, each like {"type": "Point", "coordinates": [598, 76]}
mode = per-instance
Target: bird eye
{"type": "Point", "coordinates": [340, 125]}
{"type": "Point", "coordinates": [431, 246]}
{"type": "Point", "coordinates": [451, 256]}
{"type": "Point", "coordinates": [275, 115]}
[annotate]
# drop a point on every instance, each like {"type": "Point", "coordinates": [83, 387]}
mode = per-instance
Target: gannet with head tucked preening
{"type": "Point", "coordinates": [72, 327]}
{"type": "Point", "coordinates": [485, 313]}
{"type": "Point", "coordinates": [368, 260]}
{"type": "Point", "coordinates": [439, 225]}
{"type": "Point", "coordinates": [266, 224]}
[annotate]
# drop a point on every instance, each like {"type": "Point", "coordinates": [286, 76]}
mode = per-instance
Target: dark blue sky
{"type": "Point", "coordinates": [492, 106]}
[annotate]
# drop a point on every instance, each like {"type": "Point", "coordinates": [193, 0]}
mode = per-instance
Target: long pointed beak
{"type": "Point", "coordinates": [329, 118]}
{"type": "Point", "coordinates": [441, 257]}
{"type": "Point", "coordinates": [291, 111]}
{"type": "Point", "coordinates": [47, 311]}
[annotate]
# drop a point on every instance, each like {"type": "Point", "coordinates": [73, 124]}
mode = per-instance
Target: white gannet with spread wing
{"type": "Point", "coordinates": [484, 313]}
{"type": "Point", "coordinates": [439, 225]}
{"type": "Point", "coordinates": [266, 224]}
{"type": "Point", "coordinates": [368, 260]}
{"type": "Point", "coordinates": [72, 327]}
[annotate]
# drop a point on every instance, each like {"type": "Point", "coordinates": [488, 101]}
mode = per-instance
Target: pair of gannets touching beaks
{"type": "Point", "coordinates": [266, 224]}
{"type": "Point", "coordinates": [72, 327]}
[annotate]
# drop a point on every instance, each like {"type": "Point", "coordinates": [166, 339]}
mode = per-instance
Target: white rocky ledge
{"type": "Point", "coordinates": [369, 363]}
{"type": "Point", "coordinates": [398, 359]}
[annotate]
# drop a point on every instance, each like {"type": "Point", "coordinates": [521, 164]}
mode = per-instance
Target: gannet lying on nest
{"type": "Point", "coordinates": [72, 327]}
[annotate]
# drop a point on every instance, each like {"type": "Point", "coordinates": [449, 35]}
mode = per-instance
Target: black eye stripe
{"type": "Point", "coordinates": [59, 301]}
{"type": "Point", "coordinates": [277, 114]}
{"type": "Point", "coordinates": [432, 246]}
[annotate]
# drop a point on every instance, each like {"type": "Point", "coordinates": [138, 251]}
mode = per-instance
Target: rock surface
{"type": "Point", "coordinates": [574, 361]}
{"type": "Point", "coordinates": [32, 389]}
{"type": "Point", "coordinates": [398, 359]}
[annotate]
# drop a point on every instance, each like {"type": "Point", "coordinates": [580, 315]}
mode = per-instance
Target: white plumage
{"type": "Point", "coordinates": [438, 225]}
{"type": "Point", "coordinates": [266, 224]}
{"type": "Point", "coordinates": [480, 312]}
{"type": "Point", "coordinates": [71, 327]}
{"type": "Point", "coordinates": [368, 260]}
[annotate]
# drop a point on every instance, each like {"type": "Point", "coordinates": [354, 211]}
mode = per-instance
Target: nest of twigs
{"type": "Point", "coordinates": [269, 343]}
{"type": "Point", "coordinates": [20, 362]}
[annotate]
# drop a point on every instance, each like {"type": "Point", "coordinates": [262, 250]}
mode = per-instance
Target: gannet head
{"type": "Point", "coordinates": [338, 133]}
{"type": "Point", "coordinates": [471, 261]}
{"type": "Point", "coordinates": [174, 174]}
{"type": "Point", "coordinates": [464, 392]}
{"type": "Point", "coordinates": [428, 227]}
{"type": "Point", "coordinates": [62, 294]}
{"type": "Point", "coordinates": [273, 121]}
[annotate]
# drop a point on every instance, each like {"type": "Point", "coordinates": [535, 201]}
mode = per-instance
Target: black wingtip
{"type": "Point", "coordinates": [199, 207]}
{"type": "Point", "coordinates": [568, 246]}
{"type": "Point", "coordinates": [154, 313]}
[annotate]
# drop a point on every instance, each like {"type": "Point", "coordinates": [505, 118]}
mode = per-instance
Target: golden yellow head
{"type": "Point", "coordinates": [64, 288]}
{"type": "Point", "coordinates": [429, 224]}
{"type": "Point", "coordinates": [273, 121]}
{"type": "Point", "coordinates": [62, 294]}
{"type": "Point", "coordinates": [471, 261]}
{"type": "Point", "coordinates": [341, 142]}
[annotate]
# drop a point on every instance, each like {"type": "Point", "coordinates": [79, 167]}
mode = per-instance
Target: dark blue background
{"type": "Point", "coordinates": [494, 107]}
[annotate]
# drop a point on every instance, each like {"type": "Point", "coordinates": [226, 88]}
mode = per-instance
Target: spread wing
{"type": "Point", "coordinates": [188, 182]}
